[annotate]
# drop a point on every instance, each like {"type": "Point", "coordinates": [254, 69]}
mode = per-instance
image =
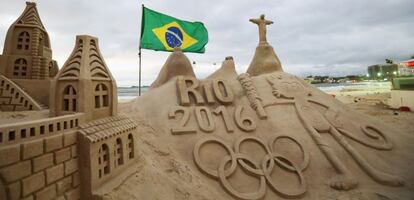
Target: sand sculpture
{"type": "Point", "coordinates": [176, 64]}
{"type": "Point", "coordinates": [27, 58]}
{"type": "Point", "coordinates": [78, 149]}
{"type": "Point", "coordinates": [265, 59]}
{"type": "Point", "coordinates": [264, 134]}
{"type": "Point", "coordinates": [75, 81]}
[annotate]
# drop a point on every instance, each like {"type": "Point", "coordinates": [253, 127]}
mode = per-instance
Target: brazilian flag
{"type": "Point", "coordinates": [161, 32]}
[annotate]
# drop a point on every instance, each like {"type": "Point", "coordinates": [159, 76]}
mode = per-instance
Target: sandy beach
{"type": "Point", "coordinates": [371, 98]}
{"type": "Point", "coordinates": [375, 106]}
{"type": "Point", "coordinates": [161, 166]}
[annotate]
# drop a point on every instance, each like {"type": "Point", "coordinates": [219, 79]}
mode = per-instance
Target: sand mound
{"type": "Point", "coordinates": [226, 71]}
{"type": "Point", "coordinates": [320, 146]}
{"type": "Point", "coordinates": [264, 61]}
{"type": "Point", "coordinates": [177, 64]}
{"type": "Point", "coordinates": [267, 135]}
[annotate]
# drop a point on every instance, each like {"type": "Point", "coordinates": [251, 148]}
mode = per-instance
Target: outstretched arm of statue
{"type": "Point", "coordinates": [256, 21]}
{"type": "Point", "coordinates": [268, 22]}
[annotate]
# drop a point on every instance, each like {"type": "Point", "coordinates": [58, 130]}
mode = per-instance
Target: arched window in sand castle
{"type": "Point", "coordinates": [69, 99]}
{"type": "Point", "coordinates": [23, 41]}
{"type": "Point", "coordinates": [101, 96]}
{"type": "Point", "coordinates": [20, 68]}
{"type": "Point", "coordinates": [119, 153]}
{"type": "Point", "coordinates": [103, 160]}
{"type": "Point", "coordinates": [130, 146]}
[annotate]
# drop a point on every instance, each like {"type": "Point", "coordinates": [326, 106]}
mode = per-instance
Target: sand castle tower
{"type": "Point", "coordinates": [27, 58]}
{"type": "Point", "coordinates": [27, 53]}
{"type": "Point", "coordinates": [84, 84]}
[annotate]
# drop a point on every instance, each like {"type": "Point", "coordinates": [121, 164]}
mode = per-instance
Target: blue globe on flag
{"type": "Point", "coordinates": [174, 37]}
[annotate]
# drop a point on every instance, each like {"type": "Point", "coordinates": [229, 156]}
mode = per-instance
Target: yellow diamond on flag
{"type": "Point", "coordinates": [172, 35]}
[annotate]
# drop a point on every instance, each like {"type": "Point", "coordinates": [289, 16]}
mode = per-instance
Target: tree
{"type": "Point", "coordinates": [389, 61]}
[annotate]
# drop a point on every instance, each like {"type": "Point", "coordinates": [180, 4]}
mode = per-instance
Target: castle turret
{"type": "Point", "coordinates": [84, 84]}
{"type": "Point", "coordinates": [27, 53]}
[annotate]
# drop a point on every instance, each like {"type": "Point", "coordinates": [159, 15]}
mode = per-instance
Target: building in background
{"type": "Point", "coordinates": [382, 71]}
{"type": "Point", "coordinates": [406, 68]}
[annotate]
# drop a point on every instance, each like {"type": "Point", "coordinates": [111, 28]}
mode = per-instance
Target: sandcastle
{"type": "Point", "coordinates": [78, 143]}
{"type": "Point", "coordinates": [264, 134]}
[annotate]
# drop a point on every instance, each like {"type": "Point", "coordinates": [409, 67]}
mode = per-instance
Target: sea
{"type": "Point", "coordinates": [369, 86]}
{"type": "Point", "coordinates": [128, 93]}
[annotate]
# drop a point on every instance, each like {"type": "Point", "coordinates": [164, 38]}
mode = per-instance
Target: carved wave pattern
{"type": "Point", "coordinates": [97, 67]}
{"type": "Point", "coordinates": [72, 68]}
{"type": "Point", "coordinates": [31, 17]}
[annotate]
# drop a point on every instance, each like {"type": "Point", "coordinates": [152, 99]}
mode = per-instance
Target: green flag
{"type": "Point", "coordinates": [162, 33]}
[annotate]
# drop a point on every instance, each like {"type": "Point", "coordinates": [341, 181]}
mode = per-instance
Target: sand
{"type": "Point", "coordinates": [21, 116]}
{"type": "Point", "coordinates": [163, 172]}
{"type": "Point", "coordinates": [375, 105]}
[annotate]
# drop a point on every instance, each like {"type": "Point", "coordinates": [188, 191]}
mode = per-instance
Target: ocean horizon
{"type": "Point", "coordinates": [128, 93]}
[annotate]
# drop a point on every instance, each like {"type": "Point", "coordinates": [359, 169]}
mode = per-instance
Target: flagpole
{"type": "Point", "coordinates": [139, 52]}
{"type": "Point", "coordinates": [139, 85]}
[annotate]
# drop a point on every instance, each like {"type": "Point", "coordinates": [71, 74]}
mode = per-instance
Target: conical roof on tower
{"type": "Point", "coordinates": [30, 16]}
{"type": "Point", "coordinates": [86, 54]}
{"type": "Point", "coordinates": [84, 84]}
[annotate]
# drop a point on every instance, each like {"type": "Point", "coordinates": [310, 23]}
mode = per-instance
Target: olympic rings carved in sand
{"type": "Point", "coordinates": [262, 171]}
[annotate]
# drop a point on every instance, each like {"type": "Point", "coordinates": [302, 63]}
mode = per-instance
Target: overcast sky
{"type": "Point", "coordinates": [318, 37]}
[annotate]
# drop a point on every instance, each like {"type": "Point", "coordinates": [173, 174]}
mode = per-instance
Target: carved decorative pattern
{"type": "Point", "coordinates": [262, 171]}
{"type": "Point", "coordinates": [205, 118]}
{"type": "Point", "coordinates": [252, 95]}
{"type": "Point", "coordinates": [288, 90]}
{"type": "Point", "coordinates": [72, 68]}
{"type": "Point", "coordinates": [97, 66]}
{"type": "Point", "coordinates": [20, 68]}
{"type": "Point", "coordinates": [70, 99]}
{"type": "Point", "coordinates": [31, 16]}
{"type": "Point", "coordinates": [14, 98]}
{"type": "Point", "coordinates": [23, 41]}
{"type": "Point", "coordinates": [101, 96]}
{"type": "Point", "coordinates": [181, 126]}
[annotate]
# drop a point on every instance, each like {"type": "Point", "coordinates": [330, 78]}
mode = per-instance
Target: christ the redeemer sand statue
{"type": "Point", "coordinates": [262, 22]}
{"type": "Point", "coordinates": [265, 59]}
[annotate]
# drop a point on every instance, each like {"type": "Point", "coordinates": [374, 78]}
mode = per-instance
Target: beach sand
{"type": "Point", "coordinates": [162, 174]}
{"type": "Point", "coordinates": [375, 105]}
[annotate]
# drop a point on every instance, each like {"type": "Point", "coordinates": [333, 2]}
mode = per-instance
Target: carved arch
{"type": "Point", "coordinates": [23, 41]}
{"type": "Point", "coordinates": [131, 146]}
{"type": "Point", "coordinates": [103, 160]}
{"type": "Point", "coordinates": [69, 99]}
{"type": "Point", "coordinates": [20, 68]}
{"type": "Point", "coordinates": [119, 152]}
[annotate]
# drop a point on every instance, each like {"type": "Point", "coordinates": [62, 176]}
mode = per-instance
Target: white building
{"type": "Point", "coordinates": [406, 68]}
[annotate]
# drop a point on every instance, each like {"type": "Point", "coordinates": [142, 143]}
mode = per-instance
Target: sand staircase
{"type": "Point", "coordinates": [14, 98]}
